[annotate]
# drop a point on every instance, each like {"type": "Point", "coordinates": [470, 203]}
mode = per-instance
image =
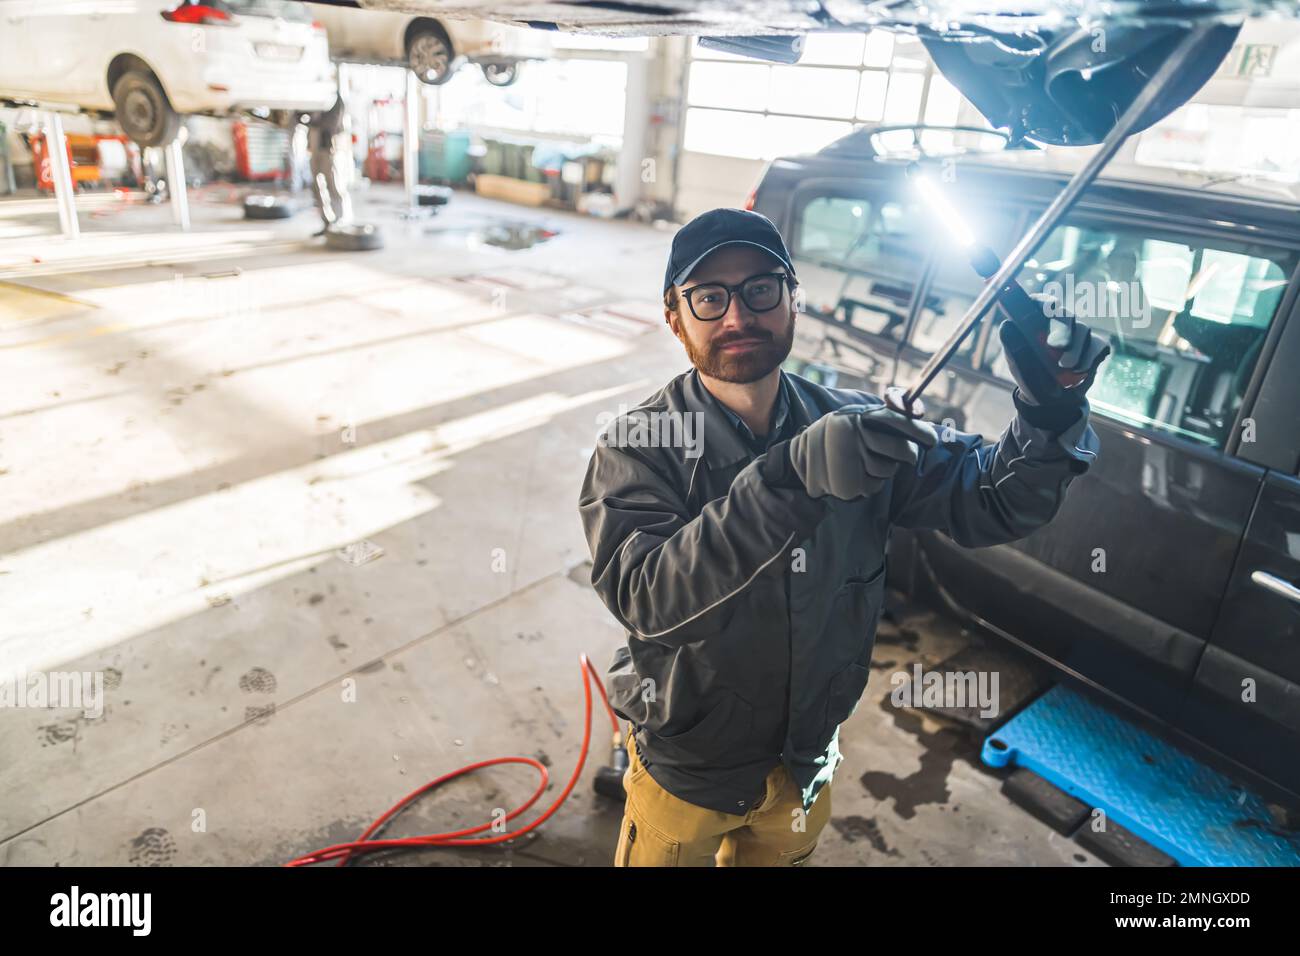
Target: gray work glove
{"type": "Point", "coordinates": [852, 451]}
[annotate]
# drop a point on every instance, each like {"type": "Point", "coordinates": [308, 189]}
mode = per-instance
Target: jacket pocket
{"type": "Point", "coordinates": [855, 615]}
{"type": "Point", "coordinates": [871, 580]}
{"type": "Point", "coordinates": [720, 733]}
{"type": "Point", "coordinates": [858, 606]}
{"type": "Point", "coordinates": [842, 697]}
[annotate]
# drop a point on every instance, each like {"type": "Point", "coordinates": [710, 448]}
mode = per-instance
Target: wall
{"type": "Point", "coordinates": [709, 181]}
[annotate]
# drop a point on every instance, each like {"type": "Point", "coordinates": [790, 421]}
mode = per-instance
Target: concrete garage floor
{"type": "Point", "coordinates": [204, 438]}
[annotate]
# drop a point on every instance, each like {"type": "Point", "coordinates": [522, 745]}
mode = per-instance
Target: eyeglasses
{"type": "Point", "coordinates": [761, 293]}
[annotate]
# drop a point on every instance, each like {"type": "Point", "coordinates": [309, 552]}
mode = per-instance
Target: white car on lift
{"type": "Point", "coordinates": [432, 49]}
{"type": "Point", "coordinates": [150, 61]}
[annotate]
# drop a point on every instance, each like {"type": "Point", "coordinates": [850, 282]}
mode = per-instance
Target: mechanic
{"type": "Point", "coordinates": [330, 188]}
{"type": "Point", "coordinates": [750, 578]}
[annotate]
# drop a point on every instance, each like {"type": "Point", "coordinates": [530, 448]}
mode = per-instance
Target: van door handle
{"type": "Point", "coordinates": [1275, 584]}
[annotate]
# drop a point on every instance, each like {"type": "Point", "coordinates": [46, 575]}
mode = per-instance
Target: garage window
{"type": "Point", "coordinates": [1187, 320]}
{"type": "Point", "coordinates": [583, 99]}
{"type": "Point", "coordinates": [1229, 141]}
{"type": "Point", "coordinates": [742, 108]}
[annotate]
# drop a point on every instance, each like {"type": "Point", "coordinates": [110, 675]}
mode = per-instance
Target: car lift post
{"type": "Point", "coordinates": [8, 181]}
{"type": "Point", "coordinates": [1081, 180]}
{"type": "Point", "coordinates": [411, 142]}
{"type": "Point", "coordinates": [176, 184]}
{"type": "Point", "coordinates": [56, 148]}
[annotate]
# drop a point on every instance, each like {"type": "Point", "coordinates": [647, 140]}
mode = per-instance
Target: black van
{"type": "Point", "coordinates": [1170, 580]}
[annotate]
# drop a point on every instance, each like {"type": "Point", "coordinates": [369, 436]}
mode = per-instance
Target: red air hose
{"type": "Point", "coordinates": [363, 844]}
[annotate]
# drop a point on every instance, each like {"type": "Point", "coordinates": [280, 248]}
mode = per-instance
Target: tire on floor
{"type": "Point", "coordinates": [261, 206]}
{"type": "Point", "coordinates": [354, 237]}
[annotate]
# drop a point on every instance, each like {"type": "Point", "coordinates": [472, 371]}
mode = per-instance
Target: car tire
{"type": "Point", "coordinates": [354, 237]}
{"type": "Point", "coordinates": [262, 206]}
{"type": "Point", "coordinates": [501, 74]}
{"type": "Point", "coordinates": [143, 111]}
{"type": "Point", "coordinates": [429, 55]}
{"type": "Point", "coordinates": [432, 195]}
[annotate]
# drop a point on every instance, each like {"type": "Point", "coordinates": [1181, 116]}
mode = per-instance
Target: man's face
{"type": "Point", "coordinates": [742, 346]}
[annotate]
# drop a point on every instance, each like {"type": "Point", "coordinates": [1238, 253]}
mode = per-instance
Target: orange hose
{"type": "Point", "coordinates": [363, 844]}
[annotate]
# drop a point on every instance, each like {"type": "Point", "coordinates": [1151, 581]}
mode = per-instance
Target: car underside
{"type": "Point", "coordinates": [1059, 73]}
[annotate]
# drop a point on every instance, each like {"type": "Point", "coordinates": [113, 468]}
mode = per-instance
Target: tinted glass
{"type": "Point", "coordinates": [955, 284]}
{"type": "Point", "coordinates": [1187, 319]}
{"type": "Point", "coordinates": [858, 261]}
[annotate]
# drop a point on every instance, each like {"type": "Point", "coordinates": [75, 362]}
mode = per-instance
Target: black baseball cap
{"type": "Point", "coordinates": [721, 227]}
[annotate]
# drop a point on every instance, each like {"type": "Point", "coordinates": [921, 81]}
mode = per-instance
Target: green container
{"type": "Point", "coordinates": [517, 161]}
{"type": "Point", "coordinates": [494, 159]}
{"type": "Point", "coordinates": [507, 150]}
{"type": "Point", "coordinates": [444, 156]}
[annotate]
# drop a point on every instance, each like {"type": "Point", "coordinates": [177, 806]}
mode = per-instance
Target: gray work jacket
{"type": "Point", "coordinates": [751, 607]}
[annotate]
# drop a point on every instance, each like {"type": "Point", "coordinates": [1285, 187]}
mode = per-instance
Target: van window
{"type": "Point", "coordinates": [1187, 319]}
{"type": "Point", "coordinates": [858, 261]}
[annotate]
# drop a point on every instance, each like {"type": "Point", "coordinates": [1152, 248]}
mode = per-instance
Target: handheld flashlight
{"type": "Point", "coordinates": [1011, 297]}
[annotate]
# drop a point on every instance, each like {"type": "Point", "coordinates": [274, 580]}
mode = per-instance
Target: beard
{"type": "Point", "coordinates": [746, 367]}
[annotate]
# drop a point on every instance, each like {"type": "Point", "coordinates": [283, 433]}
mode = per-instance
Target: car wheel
{"type": "Point", "coordinates": [432, 195]}
{"type": "Point", "coordinates": [428, 54]}
{"type": "Point", "coordinates": [353, 237]}
{"type": "Point", "coordinates": [262, 206]}
{"type": "Point", "coordinates": [501, 74]}
{"type": "Point", "coordinates": [142, 109]}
